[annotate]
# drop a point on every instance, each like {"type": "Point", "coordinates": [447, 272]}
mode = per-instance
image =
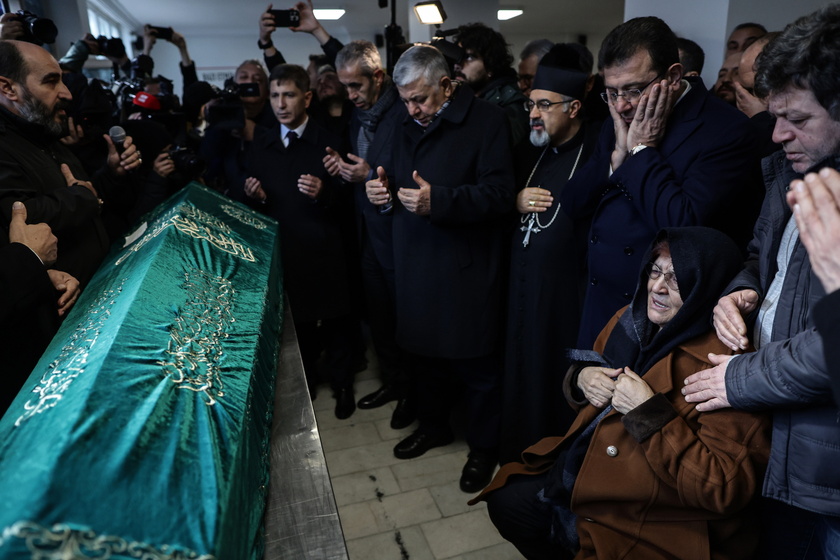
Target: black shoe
{"type": "Point", "coordinates": [381, 396]}
{"type": "Point", "coordinates": [404, 414]}
{"type": "Point", "coordinates": [418, 443]}
{"type": "Point", "coordinates": [477, 472]}
{"type": "Point", "coordinates": [345, 403]}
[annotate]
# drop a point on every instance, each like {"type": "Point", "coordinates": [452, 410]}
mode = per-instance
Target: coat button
{"type": "Point", "coordinates": [594, 281]}
{"type": "Point", "coordinates": [628, 251]}
{"type": "Point", "coordinates": [594, 239]}
{"type": "Point", "coordinates": [612, 450]}
{"type": "Point", "coordinates": [628, 296]}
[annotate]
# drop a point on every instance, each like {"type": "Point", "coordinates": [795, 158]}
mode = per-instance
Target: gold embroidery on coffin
{"type": "Point", "coordinates": [73, 358]}
{"type": "Point", "coordinates": [198, 224]}
{"type": "Point", "coordinates": [61, 542]}
{"type": "Point", "coordinates": [243, 216]}
{"type": "Point", "coordinates": [195, 348]}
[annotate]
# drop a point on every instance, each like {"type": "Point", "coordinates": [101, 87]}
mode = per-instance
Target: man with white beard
{"type": "Point", "coordinates": [546, 263]}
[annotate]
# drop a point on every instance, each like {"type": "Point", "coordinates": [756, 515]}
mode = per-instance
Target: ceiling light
{"type": "Point", "coordinates": [327, 14]}
{"type": "Point", "coordinates": [504, 15]}
{"type": "Point", "coordinates": [430, 12]}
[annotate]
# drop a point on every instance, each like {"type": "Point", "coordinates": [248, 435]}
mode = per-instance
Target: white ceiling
{"type": "Point", "coordinates": [559, 20]}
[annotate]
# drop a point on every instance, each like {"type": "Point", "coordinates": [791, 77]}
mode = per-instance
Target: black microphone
{"type": "Point", "coordinates": [117, 134]}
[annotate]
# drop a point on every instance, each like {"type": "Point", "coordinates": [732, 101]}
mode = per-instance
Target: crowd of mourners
{"type": "Point", "coordinates": [626, 283]}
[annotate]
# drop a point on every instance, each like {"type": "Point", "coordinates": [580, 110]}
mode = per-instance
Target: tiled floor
{"type": "Point", "coordinates": [394, 509]}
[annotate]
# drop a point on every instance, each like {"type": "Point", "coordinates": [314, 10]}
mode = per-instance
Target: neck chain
{"type": "Point", "coordinates": [532, 218]}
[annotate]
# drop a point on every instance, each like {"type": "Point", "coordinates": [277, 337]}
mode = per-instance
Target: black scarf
{"type": "Point", "coordinates": [705, 261]}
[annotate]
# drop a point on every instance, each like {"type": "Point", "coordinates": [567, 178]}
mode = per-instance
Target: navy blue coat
{"type": "Point", "coordinates": [449, 266]}
{"type": "Point", "coordinates": [705, 172]}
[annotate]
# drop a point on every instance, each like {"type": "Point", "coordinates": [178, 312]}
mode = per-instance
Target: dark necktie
{"type": "Point", "coordinates": [291, 136]}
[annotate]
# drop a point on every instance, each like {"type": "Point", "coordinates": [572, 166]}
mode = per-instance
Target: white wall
{"type": "Point", "coordinates": [709, 24]}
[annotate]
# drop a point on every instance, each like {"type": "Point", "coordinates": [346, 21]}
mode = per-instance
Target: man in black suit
{"type": "Point", "coordinates": [287, 181]}
{"type": "Point", "coordinates": [452, 189]}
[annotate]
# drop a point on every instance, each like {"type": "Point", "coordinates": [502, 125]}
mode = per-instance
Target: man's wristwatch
{"type": "Point", "coordinates": [264, 46]}
{"type": "Point", "coordinates": [636, 149]}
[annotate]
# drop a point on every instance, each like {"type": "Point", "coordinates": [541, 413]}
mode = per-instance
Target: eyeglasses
{"type": "Point", "coordinates": [654, 273]}
{"type": "Point", "coordinates": [630, 95]}
{"type": "Point", "coordinates": [544, 105]}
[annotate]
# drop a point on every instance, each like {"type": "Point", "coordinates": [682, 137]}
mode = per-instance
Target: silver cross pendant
{"type": "Point", "coordinates": [529, 229]}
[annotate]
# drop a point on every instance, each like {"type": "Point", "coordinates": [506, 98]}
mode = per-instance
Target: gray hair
{"type": "Point", "coordinates": [421, 61]}
{"type": "Point", "coordinates": [363, 53]}
{"type": "Point", "coordinates": [538, 47]}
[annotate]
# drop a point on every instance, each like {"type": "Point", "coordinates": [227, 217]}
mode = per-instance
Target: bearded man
{"type": "Point", "coordinates": [37, 169]}
{"type": "Point", "coordinates": [548, 257]}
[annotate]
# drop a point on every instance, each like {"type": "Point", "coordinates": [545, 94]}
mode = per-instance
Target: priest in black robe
{"type": "Point", "coordinates": [547, 258]}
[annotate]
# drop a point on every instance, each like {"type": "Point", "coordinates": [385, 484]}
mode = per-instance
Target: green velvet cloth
{"type": "Point", "coordinates": [143, 432]}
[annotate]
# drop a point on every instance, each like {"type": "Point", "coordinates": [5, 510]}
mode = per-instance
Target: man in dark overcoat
{"type": "Point", "coordinates": [672, 155]}
{"type": "Point", "coordinates": [377, 117]}
{"type": "Point", "coordinates": [287, 180]}
{"type": "Point", "coordinates": [453, 189]}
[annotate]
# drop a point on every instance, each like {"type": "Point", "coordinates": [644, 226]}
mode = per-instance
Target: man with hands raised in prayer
{"type": "Point", "coordinates": [377, 117]}
{"type": "Point", "coordinates": [287, 181]}
{"type": "Point", "coordinates": [451, 191]}
{"type": "Point", "coordinates": [33, 299]}
{"type": "Point", "coordinates": [673, 155]}
{"type": "Point", "coordinates": [777, 294]}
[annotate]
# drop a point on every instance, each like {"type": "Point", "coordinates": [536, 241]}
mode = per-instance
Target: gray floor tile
{"type": "Point", "coordinates": [364, 486]}
{"type": "Point", "coordinates": [405, 509]}
{"type": "Point", "coordinates": [354, 434]}
{"type": "Point", "coordinates": [504, 551]}
{"type": "Point", "coordinates": [358, 520]}
{"type": "Point", "coordinates": [438, 466]}
{"type": "Point", "coordinates": [360, 459]}
{"type": "Point", "coordinates": [398, 544]}
{"type": "Point", "coordinates": [453, 536]}
{"type": "Point", "coordinates": [451, 501]}
{"type": "Point", "coordinates": [389, 434]}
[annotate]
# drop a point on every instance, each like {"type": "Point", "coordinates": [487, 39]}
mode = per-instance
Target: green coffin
{"type": "Point", "coordinates": [143, 432]}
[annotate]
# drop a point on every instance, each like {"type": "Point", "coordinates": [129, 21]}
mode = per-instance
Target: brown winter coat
{"type": "Point", "coordinates": [683, 493]}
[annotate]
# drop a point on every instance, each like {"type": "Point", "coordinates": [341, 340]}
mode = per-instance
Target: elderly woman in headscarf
{"type": "Point", "coordinates": [641, 474]}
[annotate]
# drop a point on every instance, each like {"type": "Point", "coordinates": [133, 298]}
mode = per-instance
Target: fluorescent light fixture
{"type": "Point", "coordinates": [327, 14]}
{"type": "Point", "coordinates": [504, 15]}
{"type": "Point", "coordinates": [430, 12]}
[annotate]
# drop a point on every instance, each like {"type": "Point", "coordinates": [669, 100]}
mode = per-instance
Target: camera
{"type": "Point", "coordinates": [452, 52]}
{"type": "Point", "coordinates": [188, 163]}
{"type": "Point", "coordinates": [285, 18]}
{"type": "Point", "coordinates": [227, 112]}
{"type": "Point", "coordinates": [36, 29]}
{"type": "Point", "coordinates": [111, 47]}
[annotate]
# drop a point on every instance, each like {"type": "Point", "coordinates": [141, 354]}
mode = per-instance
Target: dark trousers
{"type": "Point", "coordinates": [439, 382]}
{"type": "Point", "coordinates": [523, 519]}
{"type": "Point", "coordinates": [791, 533]}
{"type": "Point", "coordinates": [380, 307]}
{"type": "Point", "coordinates": [336, 338]}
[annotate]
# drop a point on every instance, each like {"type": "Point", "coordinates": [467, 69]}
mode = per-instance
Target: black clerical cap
{"type": "Point", "coordinates": [561, 71]}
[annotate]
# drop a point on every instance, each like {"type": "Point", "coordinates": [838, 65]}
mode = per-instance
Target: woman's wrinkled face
{"type": "Point", "coordinates": [663, 299]}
